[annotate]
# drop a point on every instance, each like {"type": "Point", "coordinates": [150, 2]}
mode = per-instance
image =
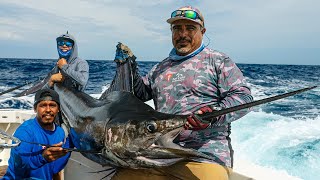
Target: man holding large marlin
{"type": "Point", "coordinates": [71, 70]}
{"type": "Point", "coordinates": [194, 80]}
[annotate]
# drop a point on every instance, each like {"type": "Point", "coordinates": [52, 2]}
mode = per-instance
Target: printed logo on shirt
{"type": "Point", "coordinates": [178, 78]}
{"type": "Point", "coordinates": [168, 77]}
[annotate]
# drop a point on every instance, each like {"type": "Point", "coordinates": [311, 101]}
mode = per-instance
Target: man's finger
{"type": "Point", "coordinates": [58, 144]}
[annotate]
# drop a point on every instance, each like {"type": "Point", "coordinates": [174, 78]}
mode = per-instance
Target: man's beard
{"type": "Point", "coordinates": [183, 50]}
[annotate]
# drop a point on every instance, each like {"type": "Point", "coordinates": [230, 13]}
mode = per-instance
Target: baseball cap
{"type": "Point", "coordinates": [65, 37]}
{"type": "Point", "coordinates": [46, 95]}
{"type": "Point", "coordinates": [187, 12]}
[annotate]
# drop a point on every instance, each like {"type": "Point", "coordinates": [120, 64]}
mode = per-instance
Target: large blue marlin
{"type": "Point", "coordinates": [118, 129]}
{"type": "Point", "coordinates": [122, 130]}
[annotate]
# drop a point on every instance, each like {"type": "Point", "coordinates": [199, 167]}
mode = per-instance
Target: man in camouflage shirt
{"type": "Point", "coordinates": [194, 80]}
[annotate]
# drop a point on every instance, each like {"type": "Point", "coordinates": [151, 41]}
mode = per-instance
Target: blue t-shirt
{"type": "Point", "coordinates": [26, 160]}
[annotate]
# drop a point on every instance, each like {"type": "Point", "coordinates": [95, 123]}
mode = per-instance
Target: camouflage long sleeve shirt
{"type": "Point", "coordinates": [182, 87]}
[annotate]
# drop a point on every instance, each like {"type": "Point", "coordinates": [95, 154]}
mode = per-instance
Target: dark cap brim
{"type": "Point", "coordinates": [65, 38]}
{"type": "Point", "coordinates": [42, 94]}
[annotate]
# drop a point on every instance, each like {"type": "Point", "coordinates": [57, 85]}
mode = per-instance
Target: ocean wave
{"type": "Point", "coordinates": [17, 103]}
{"type": "Point", "coordinates": [284, 143]}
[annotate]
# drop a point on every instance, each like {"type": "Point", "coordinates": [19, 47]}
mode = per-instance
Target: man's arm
{"type": "Point", "coordinates": [31, 156]}
{"type": "Point", "coordinates": [80, 76]}
{"type": "Point", "coordinates": [60, 163]}
{"type": "Point", "coordinates": [23, 158]}
{"type": "Point", "coordinates": [55, 70]}
{"type": "Point", "coordinates": [233, 91]}
{"type": "Point", "coordinates": [57, 176]}
{"type": "Point", "coordinates": [141, 85]}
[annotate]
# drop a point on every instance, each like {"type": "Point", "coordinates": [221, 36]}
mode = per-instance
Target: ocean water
{"type": "Point", "coordinates": [278, 140]}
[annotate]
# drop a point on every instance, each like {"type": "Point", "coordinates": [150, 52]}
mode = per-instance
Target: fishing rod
{"type": "Point", "coordinates": [17, 87]}
{"type": "Point", "coordinates": [253, 103]}
{"type": "Point", "coordinates": [16, 142]}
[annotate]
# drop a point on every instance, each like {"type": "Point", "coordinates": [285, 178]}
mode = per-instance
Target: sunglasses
{"type": "Point", "coordinates": [67, 43]}
{"type": "Point", "coordinates": [186, 13]}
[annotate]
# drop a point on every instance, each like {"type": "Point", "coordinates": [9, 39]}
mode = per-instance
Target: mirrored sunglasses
{"type": "Point", "coordinates": [186, 13]}
{"type": "Point", "coordinates": [67, 43]}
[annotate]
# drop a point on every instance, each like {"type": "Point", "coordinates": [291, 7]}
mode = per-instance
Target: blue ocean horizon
{"type": "Point", "coordinates": [282, 135]}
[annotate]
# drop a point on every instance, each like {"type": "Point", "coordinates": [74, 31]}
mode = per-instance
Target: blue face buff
{"type": "Point", "coordinates": [175, 57]}
{"type": "Point", "coordinates": [65, 54]}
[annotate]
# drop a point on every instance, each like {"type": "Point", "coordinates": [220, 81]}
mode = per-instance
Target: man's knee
{"type": "Point", "coordinates": [138, 174]}
{"type": "Point", "coordinates": [196, 170]}
{"type": "Point", "coordinates": [182, 170]}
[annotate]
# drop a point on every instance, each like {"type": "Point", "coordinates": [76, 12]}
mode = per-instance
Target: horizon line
{"type": "Point", "coordinates": [159, 61]}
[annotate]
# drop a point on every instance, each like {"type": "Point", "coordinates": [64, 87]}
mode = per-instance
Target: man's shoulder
{"type": "Point", "coordinates": [215, 57]}
{"type": "Point", "coordinates": [214, 53]}
{"type": "Point", "coordinates": [26, 127]}
{"type": "Point", "coordinates": [80, 60]}
{"type": "Point", "coordinates": [59, 129]}
{"type": "Point", "coordinates": [162, 63]}
{"type": "Point", "coordinates": [29, 122]}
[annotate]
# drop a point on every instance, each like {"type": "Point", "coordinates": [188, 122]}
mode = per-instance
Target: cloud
{"type": "Point", "coordinates": [9, 35]}
{"type": "Point", "coordinates": [74, 14]}
{"type": "Point", "coordinates": [235, 27]}
{"type": "Point", "coordinates": [90, 21]}
{"type": "Point", "coordinates": [267, 21]}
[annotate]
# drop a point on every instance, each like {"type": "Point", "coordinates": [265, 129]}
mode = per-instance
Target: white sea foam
{"type": "Point", "coordinates": [273, 143]}
{"type": "Point", "coordinates": [25, 102]}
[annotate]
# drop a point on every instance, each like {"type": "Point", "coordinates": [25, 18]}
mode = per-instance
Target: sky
{"type": "Point", "coordinates": [248, 31]}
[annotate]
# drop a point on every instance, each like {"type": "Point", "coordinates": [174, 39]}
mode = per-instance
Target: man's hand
{"type": "Point", "coordinates": [58, 77]}
{"type": "Point", "coordinates": [54, 153]}
{"type": "Point", "coordinates": [195, 122]}
{"type": "Point", "coordinates": [61, 62]}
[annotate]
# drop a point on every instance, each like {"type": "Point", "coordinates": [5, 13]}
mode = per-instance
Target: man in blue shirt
{"type": "Point", "coordinates": [32, 161]}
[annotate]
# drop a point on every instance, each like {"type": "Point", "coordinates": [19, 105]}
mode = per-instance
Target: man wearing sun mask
{"type": "Point", "coordinates": [71, 71]}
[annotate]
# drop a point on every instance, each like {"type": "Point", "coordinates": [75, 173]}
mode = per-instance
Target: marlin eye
{"type": "Point", "coordinates": [151, 127]}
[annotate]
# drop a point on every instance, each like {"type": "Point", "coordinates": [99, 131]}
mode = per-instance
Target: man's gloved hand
{"type": "Point", "coordinates": [58, 77]}
{"type": "Point", "coordinates": [195, 122]}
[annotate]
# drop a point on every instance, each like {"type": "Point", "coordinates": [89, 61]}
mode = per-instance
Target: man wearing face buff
{"type": "Point", "coordinates": [71, 71]}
